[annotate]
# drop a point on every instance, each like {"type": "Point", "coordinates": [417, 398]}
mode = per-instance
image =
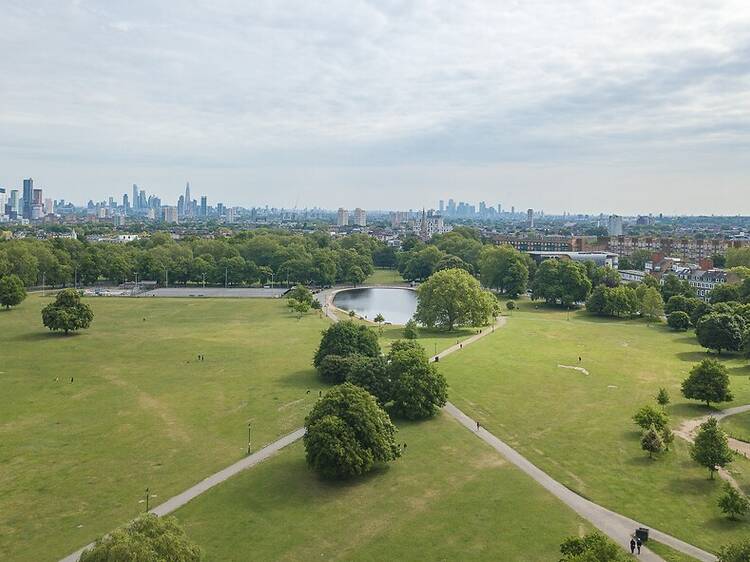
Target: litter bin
{"type": "Point", "coordinates": [642, 533]}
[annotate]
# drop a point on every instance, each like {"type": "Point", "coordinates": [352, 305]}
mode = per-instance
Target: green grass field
{"type": "Point", "coordinates": [578, 427]}
{"type": "Point", "coordinates": [450, 497]}
{"type": "Point", "coordinates": [385, 277]}
{"type": "Point", "coordinates": [75, 458]}
{"type": "Point", "coordinates": [738, 426]}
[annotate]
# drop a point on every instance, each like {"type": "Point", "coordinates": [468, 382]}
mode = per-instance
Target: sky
{"type": "Point", "coordinates": [580, 106]}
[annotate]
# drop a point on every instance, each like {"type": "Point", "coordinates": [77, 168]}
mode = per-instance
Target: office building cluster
{"type": "Point", "coordinates": [25, 204]}
{"type": "Point", "coordinates": [358, 217]}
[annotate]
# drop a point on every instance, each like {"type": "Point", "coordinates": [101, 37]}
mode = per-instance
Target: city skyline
{"type": "Point", "coordinates": [622, 108]}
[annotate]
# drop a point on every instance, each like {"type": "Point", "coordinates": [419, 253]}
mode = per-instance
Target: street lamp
{"type": "Point", "coordinates": [44, 278]}
{"type": "Point", "coordinates": [146, 500]}
{"type": "Point", "coordinates": [248, 438]}
{"type": "Point", "coordinates": [226, 276]}
{"type": "Point", "coordinates": [166, 277]}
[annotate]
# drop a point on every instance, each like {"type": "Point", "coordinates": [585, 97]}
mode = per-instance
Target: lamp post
{"type": "Point", "coordinates": [146, 500]}
{"type": "Point", "coordinates": [272, 274]}
{"type": "Point", "coordinates": [166, 277]}
{"type": "Point", "coordinates": [44, 278]}
{"type": "Point", "coordinates": [204, 280]}
{"type": "Point", "coordinates": [75, 279]}
{"type": "Point", "coordinates": [248, 438]}
{"type": "Point", "coordinates": [226, 276]}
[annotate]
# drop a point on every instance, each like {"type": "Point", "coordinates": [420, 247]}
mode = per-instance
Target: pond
{"type": "Point", "coordinates": [396, 305]}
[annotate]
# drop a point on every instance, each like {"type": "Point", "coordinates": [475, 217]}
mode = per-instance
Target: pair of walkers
{"type": "Point", "coordinates": [635, 543]}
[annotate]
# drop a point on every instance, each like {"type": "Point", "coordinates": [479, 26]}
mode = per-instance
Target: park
{"type": "Point", "coordinates": [161, 393]}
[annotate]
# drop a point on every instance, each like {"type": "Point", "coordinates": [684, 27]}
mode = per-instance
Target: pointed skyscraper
{"type": "Point", "coordinates": [188, 200]}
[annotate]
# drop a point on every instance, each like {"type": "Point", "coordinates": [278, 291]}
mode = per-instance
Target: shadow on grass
{"type": "Point", "coordinates": [691, 410]}
{"type": "Point", "coordinates": [695, 486]}
{"type": "Point", "coordinates": [302, 379]}
{"type": "Point", "coordinates": [694, 356]}
{"type": "Point", "coordinates": [45, 336]}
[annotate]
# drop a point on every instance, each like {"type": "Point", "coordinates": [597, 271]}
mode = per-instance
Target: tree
{"type": "Point", "coordinates": [451, 298]}
{"type": "Point", "coordinates": [648, 416]}
{"type": "Point", "coordinates": [12, 291]}
{"type": "Point", "coordinates": [700, 310]}
{"type": "Point", "coordinates": [371, 374]}
{"type": "Point", "coordinates": [651, 441]}
{"type": "Point", "coordinates": [503, 268]}
{"type": "Point", "coordinates": [410, 330]}
{"type": "Point", "coordinates": [725, 292]}
{"type": "Point", "coordinates": [593, 547]}
{"type": "Point", "coordinates": [379, 319]}
{"type": "Point", "coordinates": [678, 320]}
{"type": "Point", "coordinates": [356, 276]}
{"type": "Point", "coordinates": [682, 303]}
{"type": "Point", "coordinates": [335, 369]}
{"type": "Point", "coordinates": [299, 307]}
{"type": "Point", "coordinates": [710, 448]}
{"type": "Point", "coordinates": [621, 301]}
{"type": "Point", "coordinates": [662, 397]}
{"type": "Point", "coordinates": [733, 503]}
{"type": "Point", "coordinates": [347, 433]}
{"type": "Point", "coordinates": [511, 305]}
{"type": "Point", "coordinates": [721, 331]}
{"type": "Point", "coordinates": [709, 382]}
{"type": "Point", "coordinates": [418, 390]}
{"type": "Point", "coordinates": [302, 294]}
{"type": "Point", "coordinates": [420, 262]}
{"type": "Point", "coordinates": [652, 305]}
{"type": "Point", "coordinates": [147, 538]}
{"type": "Point", "coordinates": [597, 301]}
{"type": "Point", "coordinates": [563, 282]}
{"type": "Point", "coordinates": [347, 338]}
{"type": "Point", "coordinates": [737, 552]}
{"type": "Point", "coordinates": [67, 313]}
{"type": "Point", "coordinates": [672, 286]}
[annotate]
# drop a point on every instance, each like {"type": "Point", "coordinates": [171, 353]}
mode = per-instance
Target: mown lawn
{"type": "Point", "coordinates": [738, 426]}
{"type": "Point", "coordinates": [142, 411]}
{"type": "Point", "coordinates": [450, 497]}
{"type": "Point", "coordinates": [578, 427]}
{"type": "Point", "coordinates": [384, 277]}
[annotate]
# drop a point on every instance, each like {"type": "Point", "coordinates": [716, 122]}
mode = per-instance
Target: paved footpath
{"type": "Point", "coordinates": [614, 525]}
{"type": "Point", "coordinates": [181, 499]}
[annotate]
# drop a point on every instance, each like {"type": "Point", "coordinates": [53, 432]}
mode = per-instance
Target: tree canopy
{"type": "Point", "coordinates": [452, 298]}
{"type": "Point", "coordinates": [147, 539]}
{"type": "Point", "coordinates": [347, 338]}
{"type": "Point", "coordinates": [593, 547]}
{"type": "Point", "coordinates": [562, 282]}
{"type": "Point", "coordinates": [12, 291]}
{"type": "Point", "coordinates": [710, 448]}
{"type": "Point", "coordinates": [67, 313]}
{"type": "Point", "coordinates": [348, 433]}
{"type": "Point", "coordinates": [709, 382]}
{"type": "Point", "coordinates": [504, 268]}
{"type": "Point", "coordinates": [721, 331]}
{"type": "Point", "coordinates": [418, 390]}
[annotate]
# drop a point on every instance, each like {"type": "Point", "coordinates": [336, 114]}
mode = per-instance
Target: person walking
{"type": "Point", "coordinates": [632, 545]}
{"type": "Point", "coordinates": [638, 544]}
{"type": "Point", "coordinates": [478, 426]}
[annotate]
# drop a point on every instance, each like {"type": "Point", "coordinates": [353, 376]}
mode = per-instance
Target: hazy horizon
{"type": "Point", "coordinates": [614, 107]}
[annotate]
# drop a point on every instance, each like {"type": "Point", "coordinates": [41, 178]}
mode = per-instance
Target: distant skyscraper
{"type": "Point", "coordinates": [530, 217]}
{"type": "Point", "coordinates": [204, 206]}
{"type": "Point", "coordinates": [342, 218]}
{"type": "Point", "coordinates": [142, 201]}
{"type": "Point", "coordinates": [4, 202]}
{"type": "Point", "coordinates": [125, 202]}
{"type": "Point", "coordinates": [614, 226]}
{"type": "Point", "coordinates": [360, 217]}
{"type": "Point", "coordinates": [14, 201]}
{"type": "Point", "coordinates": [170, 214]}
{"type": "Point", "coordinates": [442, 206]}
{"type": "Point", "coordinates": [181, 206]}
{"type": "Point", "coordinates": [28, 188]}
{"type": "Point", "coordinates": [188, 200]}
{"type": "Point", "coordinates": [135, 197]}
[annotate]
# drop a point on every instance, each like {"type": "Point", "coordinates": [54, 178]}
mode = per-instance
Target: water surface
{"type": "Point", "coordinates": [396, 305]}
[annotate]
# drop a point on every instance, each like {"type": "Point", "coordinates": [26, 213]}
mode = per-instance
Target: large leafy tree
{"type": "Point", "coordinates": [370, 373]}
{"type": "Point", "coordinates": [451, 298]}
{"type": "Point", "coordinates": [721, 331]}
{"type": "Point", "coordinates": [504, 268]}
{"type": "Point", "coordinates": [564, 282]}
{"type": "Point", "coordinates": [736, 552]}
{"type": "Point", "coordinates": [418, 390]}
{"type": "Point", "coordinates": [725, 292]}
{"type": "Point", "coordinates": [67, 313]}
{"type": "Point", "coordinates": [347, 433]}
{"type": "Point", "coordinates": [678, 320]}
{"type": "Point", "coordinates": [709, 382]}
{"type": "Point", "coordinates": [148, 538]}
{"type": "Point", "coordinates": [652, 305]}
{"type": "Point", "coordinates": [648, 416]}
{"type": "Point", "coordinates": [12, 291]}
{"type": "Point", "coordinates": [420, 262]}
{"type": "Point", "coordinates": [733, 503]}
{"type": "Point", "coordinates": [593, 547]}
{"type": "Point", "coordinates": [711, 448]}
{"type": "Point", "coordinates": [347, 338]}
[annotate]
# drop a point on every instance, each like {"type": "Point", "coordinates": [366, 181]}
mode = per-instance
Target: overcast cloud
{"type": "Point", "coordinates": [565, 106]}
